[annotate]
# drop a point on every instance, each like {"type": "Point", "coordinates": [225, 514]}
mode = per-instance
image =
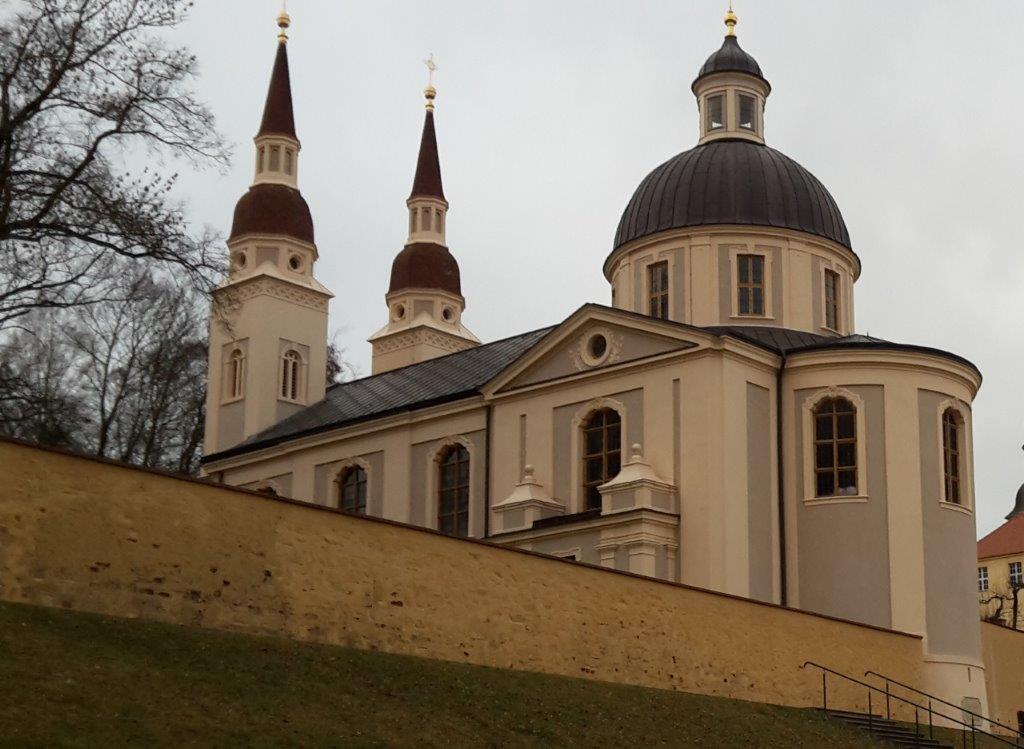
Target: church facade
{"type": "Point", "coordinates": [719, 424]}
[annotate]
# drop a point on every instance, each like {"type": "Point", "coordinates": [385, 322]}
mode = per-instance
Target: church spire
{"type": "Point", "coordinates": [427, 182]}
{"type": "Point", "coordinates": [278, 117]}
{"type": "Point", "coordinates": [424, 296]}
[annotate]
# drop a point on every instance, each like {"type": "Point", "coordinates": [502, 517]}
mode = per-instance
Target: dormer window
{"type": "Point", "coordinates": [746, 110]}
{"type": "Point", "coordinates": [716, 112]}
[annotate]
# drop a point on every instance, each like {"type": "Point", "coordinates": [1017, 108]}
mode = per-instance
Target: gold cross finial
{"type": "Point", "coordinates": [430, 92]}
{"type": "Point", "coordinates": [731, 19]}
{"type": "Point", "coordinates": [283, 22]}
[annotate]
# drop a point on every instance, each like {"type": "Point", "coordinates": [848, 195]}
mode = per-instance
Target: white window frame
{"type": "Point", "coordinates": [810, 405]}
{"type": "Point", "coordinates": [284, 379]}
{"type": "Point", "coordinates": [1019, 575]}
{"type": "Point", "coordinates": [983, 581]}
{"type": "Point", "coordinates": [229, 349]}
{"type": "Point", "coordinates": [576, 444]}
{"type": "Point", "coordinates": [734, 284]}
{"type": "Point", "coordinates": [433, 482]}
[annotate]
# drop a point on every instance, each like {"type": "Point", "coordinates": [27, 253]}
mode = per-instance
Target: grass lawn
{"type": "Point", "coordinates": [72, 679]}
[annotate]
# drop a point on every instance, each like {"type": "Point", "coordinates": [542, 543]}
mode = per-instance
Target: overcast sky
{"type": "Point", "coordinates": [550, 112]}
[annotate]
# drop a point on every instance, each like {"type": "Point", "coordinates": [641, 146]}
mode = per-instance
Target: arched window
{"type": "Point", "coordinates": [236, 374]}
{"type": "Point", "coordinates": [835, 448]}
{"type": "Point", "coordinates": [952, 424]}
{"type": "Point", "coordinates": [352, 489]}
{"type": "Point", "coordinates": [453, 491]}
{"type": "Point", "coordinates": [291, 371]}
{"type": "Point", "coordinates": [602, 456]}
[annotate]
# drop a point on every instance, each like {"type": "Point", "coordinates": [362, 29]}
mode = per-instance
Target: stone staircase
{"type": "Point", "coordinates": [897, 734]}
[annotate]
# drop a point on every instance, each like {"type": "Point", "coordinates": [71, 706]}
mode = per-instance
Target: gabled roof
{"type": "Point", "coordinates": [441, 380]}
{"type": "Point", "coordinates": [1005, 540]}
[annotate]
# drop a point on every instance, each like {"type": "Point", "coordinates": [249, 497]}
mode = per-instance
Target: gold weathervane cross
{"type": "Point", "coordinates": [431, 67]}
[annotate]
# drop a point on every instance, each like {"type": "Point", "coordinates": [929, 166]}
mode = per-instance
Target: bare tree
{"type": "Point", "coordinates": [122, 379]}
{"type": "Point", "coordinates": [1006, 602]}
{"type": "Point", "coordinates": [86, 86]}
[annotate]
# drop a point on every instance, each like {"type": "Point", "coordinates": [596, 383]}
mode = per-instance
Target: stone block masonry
{"type": "Point", "coordinates": [95, 536]}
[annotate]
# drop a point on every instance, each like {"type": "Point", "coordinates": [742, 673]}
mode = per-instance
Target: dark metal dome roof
{"type": "Point", "coordinates": [730, 58]}
{"type": "Point", "coordinates": [273, 209]}
{"type": "Point", "coordinates": [731, 182]}
{"type": "Point", "coordinates": [425, 265]}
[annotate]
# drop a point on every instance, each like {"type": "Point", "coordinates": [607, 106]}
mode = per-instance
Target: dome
{"type": "Point", "coordinates": [731, 182]}
{"type": "Point", "coordinates": [425, 265]}
{"type": "Point", "coordinates": [1018, 505]}
{"type": "Point", "coordinates": [730, 58]}
{"type": "Point", "coordinates": [273, 209]}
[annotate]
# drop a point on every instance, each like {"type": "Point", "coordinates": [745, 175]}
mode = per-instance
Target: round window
{"type": "Point", "coordinates": [399, 311]}
{"type": "Point", "coordinates": [448, 314]}
{"type": "Point", "coordinates": [295, 262]}
{"type": "Point", "coordinates": [597, 346]}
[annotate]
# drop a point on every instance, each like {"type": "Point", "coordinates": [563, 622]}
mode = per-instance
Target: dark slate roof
{"type": "Point", "coordinates": [425, 265]}
{"type": "Point", "coordinates": [269, 208]}
{"type": "Point", "coordinates": [731, 182]}
{"type": "Point", "coordinates": [447, 378]}
{"type": "Point", "coordinates": [278, 118]}
{"type": "Point", "coordinates": [427, 182]}
{"type": "Point", "coordinates": [730, 58]}
{"type": "Point", "coordinates": [786, 341]}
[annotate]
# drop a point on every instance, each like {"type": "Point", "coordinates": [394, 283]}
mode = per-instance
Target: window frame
{"type": "Point", "coordinates": [745, 290]}
{"type": "Point", "coordinates": [234, 369]}
{"type": "Point", "coordinates": [983, 579]}
{"type": "Point", "coordinates": [721, 97]}
{"type": "Point", "coordinates": [355, 468]}
{"type": "Point", "coordinates": [291, 376]}
{"type": "Point", "coordinates": [660, 297]}
{"type": "Point", "coordinates": [964, 448]}
{"type": "Point", "coordinates": [607, 453]}
{"type": "Point", "coordinates": [767, 254]}
{"type": "Point", "coordinates": [810, 407]}
{"type": "Point", "coordinates": [740, 96]}
{"type": "Point", "coordinates": [835, 307]}
{"type": "Point", "coordinates": [441, 465]}
{"type": "Point", "coordinates": [576, 499]}
{"type": "Point", "coordinates": [1019, 574]}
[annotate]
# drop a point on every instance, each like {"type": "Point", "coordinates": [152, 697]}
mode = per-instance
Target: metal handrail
{"type": "Point", "coordinates": [889, 680]}
{"type": "Point", "coordinates": [917, 708]}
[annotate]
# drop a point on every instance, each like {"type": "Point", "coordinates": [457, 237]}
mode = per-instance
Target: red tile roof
{"type": "Point", "coordinates": [1005, 540]}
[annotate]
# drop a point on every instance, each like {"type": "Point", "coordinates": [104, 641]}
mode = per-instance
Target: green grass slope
{"type": "Point", "coordinates": [72, 679]}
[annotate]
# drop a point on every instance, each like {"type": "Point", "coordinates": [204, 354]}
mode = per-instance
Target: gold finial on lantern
{"type": "Point", "coordinates": [731, 19]}
{"type": "Point", "coordinates": [283, 22]}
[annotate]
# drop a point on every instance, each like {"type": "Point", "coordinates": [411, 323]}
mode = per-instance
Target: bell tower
{"type": "Point", "coordinates": [425, 302]}
{"type": "Point", "coordinates": [268, 330]}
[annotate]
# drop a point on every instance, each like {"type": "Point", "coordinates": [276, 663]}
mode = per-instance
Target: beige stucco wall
{"type": "Point", "coordinates": [702, 284]}
{"type": "Point", "coordinates": [1004, 672]}
{"type": "Point", "coordinates": [88, 535]}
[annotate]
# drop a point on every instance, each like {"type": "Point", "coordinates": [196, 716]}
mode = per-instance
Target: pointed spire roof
{"type": "Point", "coordinates": [427, 182]}
{"type": "Point", "coordinates": [278, 118]}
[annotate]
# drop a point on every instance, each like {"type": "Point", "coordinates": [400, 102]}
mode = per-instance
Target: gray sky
{"type": "Point", "coordinates": [550, 112]}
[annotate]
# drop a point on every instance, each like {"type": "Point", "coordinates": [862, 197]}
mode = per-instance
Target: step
{"type": "Point", "coordinates": [890, 731]}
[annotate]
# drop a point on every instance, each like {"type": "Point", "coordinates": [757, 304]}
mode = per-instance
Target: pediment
{"type": "Point", "coordinates": [568, 350]}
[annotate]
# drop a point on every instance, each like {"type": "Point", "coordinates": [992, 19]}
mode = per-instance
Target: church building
{"type": "Point", "coordinates": [720, 423]}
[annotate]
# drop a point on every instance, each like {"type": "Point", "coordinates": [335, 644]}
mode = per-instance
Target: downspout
{"type": "Point", "coordinates": [487, 473]}
{"type": "Point", "coordinates": [781, 489]}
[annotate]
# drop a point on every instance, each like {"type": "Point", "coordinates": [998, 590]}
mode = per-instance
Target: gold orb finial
{"type": "Point", "coordinates": [731, 19]}
{"type": "Point", "coordinates": [283, 22]}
